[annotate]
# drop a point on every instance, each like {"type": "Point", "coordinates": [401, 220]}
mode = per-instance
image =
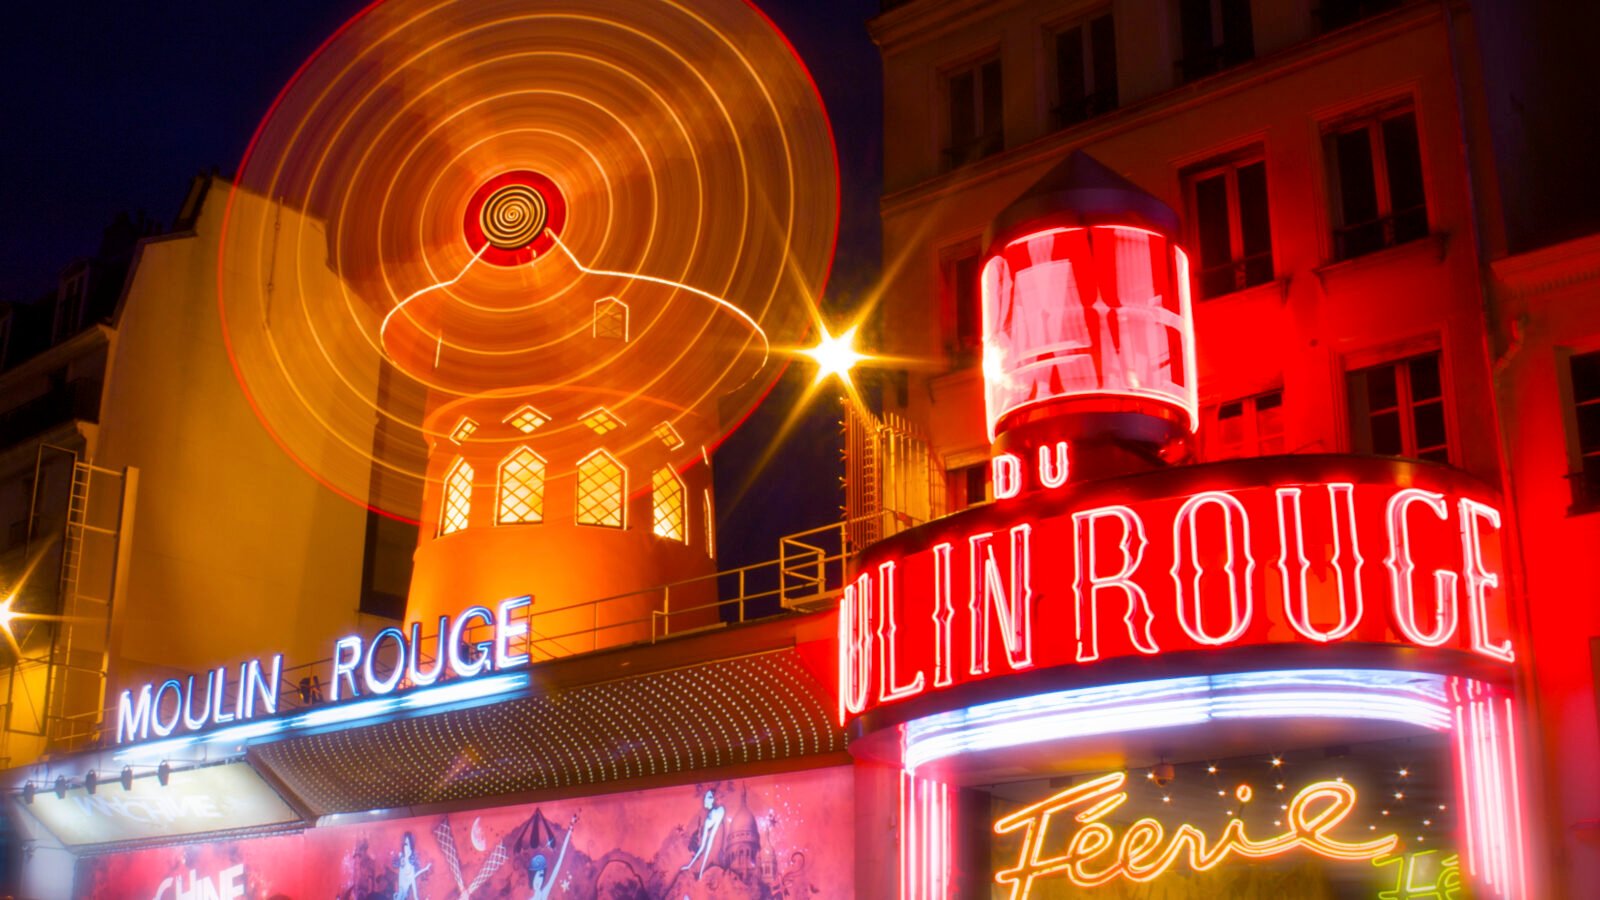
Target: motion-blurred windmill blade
{"type": "Point", "coordinates": [502, 169]}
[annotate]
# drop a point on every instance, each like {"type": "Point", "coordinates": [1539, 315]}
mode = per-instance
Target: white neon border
{"type": "Point", "coordinates": [371, 710]}
{"type": "Point", "coordinates": [1469, 710]}
{"type": "Point", "coordinates": [1413, 698]}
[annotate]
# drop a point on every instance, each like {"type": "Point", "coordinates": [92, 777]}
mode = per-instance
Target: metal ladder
{"type": "Point", "coordinates": [72, 538]}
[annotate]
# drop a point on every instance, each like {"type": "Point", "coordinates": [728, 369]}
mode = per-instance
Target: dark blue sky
{"type": "Point", "coordinates": [110, 106]}
{"type": "Point", "coordinates": [114, 106]}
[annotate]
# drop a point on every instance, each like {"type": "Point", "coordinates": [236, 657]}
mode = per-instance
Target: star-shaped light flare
{"type": "Point", "coordinates": [9, 614]}
{"type": "Point", "coordinates": [835, 354]}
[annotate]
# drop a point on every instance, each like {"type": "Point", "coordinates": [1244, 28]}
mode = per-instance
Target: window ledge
{"type": "Point", "coordinates": [1278, 287]}
{"type": "Point", "coordinates": [1435, 244]}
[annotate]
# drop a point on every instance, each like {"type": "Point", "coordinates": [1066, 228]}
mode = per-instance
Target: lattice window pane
{"type": "Point", "coordinates": [526, 419]}
{"type": "Point", "coordinates": [611, 319]}
{"type": "Point", "coordinates": [463, 429]}
{"type": "Point", "coordinates": [670, 509]}
{"type": "Point", "coordinates": [668, 435]}
{"type": "Point", "coordinates": [602, 490]}
{"type": "Point", "coordinates": [602, 421]}
{"type": "Point", "coordinates": [521, 489]}
{"type": "Point", "coordinates": [457, 503]}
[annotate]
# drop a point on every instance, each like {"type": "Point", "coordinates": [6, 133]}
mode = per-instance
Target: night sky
{"type": "Point", "coordinates": [110, 107]}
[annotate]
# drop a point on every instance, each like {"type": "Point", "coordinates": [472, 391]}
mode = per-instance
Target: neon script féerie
{"type": "Point", "coordinates": [1097, 854]}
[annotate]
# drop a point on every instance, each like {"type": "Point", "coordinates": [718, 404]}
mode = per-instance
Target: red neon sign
{"type": "Point", "coordinates": [1312, 550]}
{"type": "Point", "coordinates": [1086, 313]}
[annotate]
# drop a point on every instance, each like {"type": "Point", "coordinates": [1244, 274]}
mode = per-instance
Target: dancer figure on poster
{"type": "Point", "coordinates": [708, 834]}
{"type": "Point", "coordinates": [406, 871]}
{"type": "Point", "coordinates": [542, 882]}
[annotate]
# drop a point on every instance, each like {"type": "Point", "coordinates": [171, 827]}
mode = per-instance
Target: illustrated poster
{"type": "Point", "coordinates": [781, 837]}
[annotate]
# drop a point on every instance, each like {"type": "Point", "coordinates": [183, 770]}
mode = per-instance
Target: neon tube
{"type": "Point", "coordinates": [1369, 694]}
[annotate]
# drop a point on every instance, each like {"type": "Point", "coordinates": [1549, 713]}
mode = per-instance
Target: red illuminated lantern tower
{"type": "Point", "coordinates": [1088, 338]}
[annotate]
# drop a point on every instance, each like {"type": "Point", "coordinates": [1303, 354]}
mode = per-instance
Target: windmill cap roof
{"type": "Point", "coordinates": [1080, 190]}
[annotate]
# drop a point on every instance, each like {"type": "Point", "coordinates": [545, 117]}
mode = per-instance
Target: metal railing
{"type": "Point", "coordinates": [894, 479]}
{"type": "Point", "coordinates": [809, 572]}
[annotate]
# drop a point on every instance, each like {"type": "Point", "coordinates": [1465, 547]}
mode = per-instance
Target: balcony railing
{"type": "Point", "coordinates": [1081, 109]}
{"type": "Point", "coordinates": [811, 569]}
{"type": "Point", "coordinates": [1361, 238]}
{"type": "Point", "coordinates": [1215, 59]}
{"type": "Point", "coordinates": [967, 151]}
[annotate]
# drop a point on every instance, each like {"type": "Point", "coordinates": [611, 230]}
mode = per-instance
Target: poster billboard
{"type": "Point", "coordinates": [764, 838]}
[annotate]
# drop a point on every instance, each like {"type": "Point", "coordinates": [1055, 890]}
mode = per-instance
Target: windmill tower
{"type": "Point", "coordinates": [552, 258]}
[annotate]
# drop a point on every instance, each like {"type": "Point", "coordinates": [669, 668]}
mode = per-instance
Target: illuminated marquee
{"type": "Point", "coordinates": [1095, 854]}
{"type": "Point", "coordinates": [1365, 551]}
{"type": "Point", "coordinates": [456, 650]}
{"type": "Point", "coordinates": [170, 707]}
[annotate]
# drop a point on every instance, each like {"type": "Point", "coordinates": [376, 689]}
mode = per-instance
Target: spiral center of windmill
{"type": "Point", "coordinates": [513, 216]}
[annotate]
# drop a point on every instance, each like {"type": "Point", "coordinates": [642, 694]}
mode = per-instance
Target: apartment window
{"type": "Point", "coordinates": [1085, 70]}
{"type": "Point", "coordinates": [521, 491]}
{"type": "Point", "coordinates": [72, 293]}
{"type": "Point", "coordinates": [386, 563]}
{"type": "Point", "coordinates": [1375, 170]}
{"type": "Point", "coordinates": [975, 98]}
{"type": "Point", "coordinates": [968, 485]}
{"type": "Point", "coordinates": [671, 510]}
{"type": "Point", "coordinates": [961, 275]}
{"type": "Point", "coordinates": [1215, 34]}
{"type": "Point", "coordinates": [1397, 409]}
{"type": "Point", "coordinates": [1228, 209]}
{"type": "Point", "coordinates": [1585, 370]}
{"type": "Point", "coordinates": [1250, 426]}
{"type": "Point", "coordinates": [1339, 13]}
{"type": "Point", "coordinates": [457, 503]}
{"type": "Point", "coordinates": [602, 490]}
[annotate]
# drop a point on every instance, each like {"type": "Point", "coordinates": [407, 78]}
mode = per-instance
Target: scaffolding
{"type": "Point", "coordinates": [893, 479]}
{"type": "Point", "coordinates": [62, 589]}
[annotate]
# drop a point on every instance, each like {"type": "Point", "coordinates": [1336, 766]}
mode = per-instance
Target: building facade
{"type": "Point", "coordinates": [1216, 522]}
{"type": "Point", "coordinates": [1350, 180]}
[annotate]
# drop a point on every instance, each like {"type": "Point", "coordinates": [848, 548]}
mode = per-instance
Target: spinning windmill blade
{"type": "Point", "coordinates": [437, 204]}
